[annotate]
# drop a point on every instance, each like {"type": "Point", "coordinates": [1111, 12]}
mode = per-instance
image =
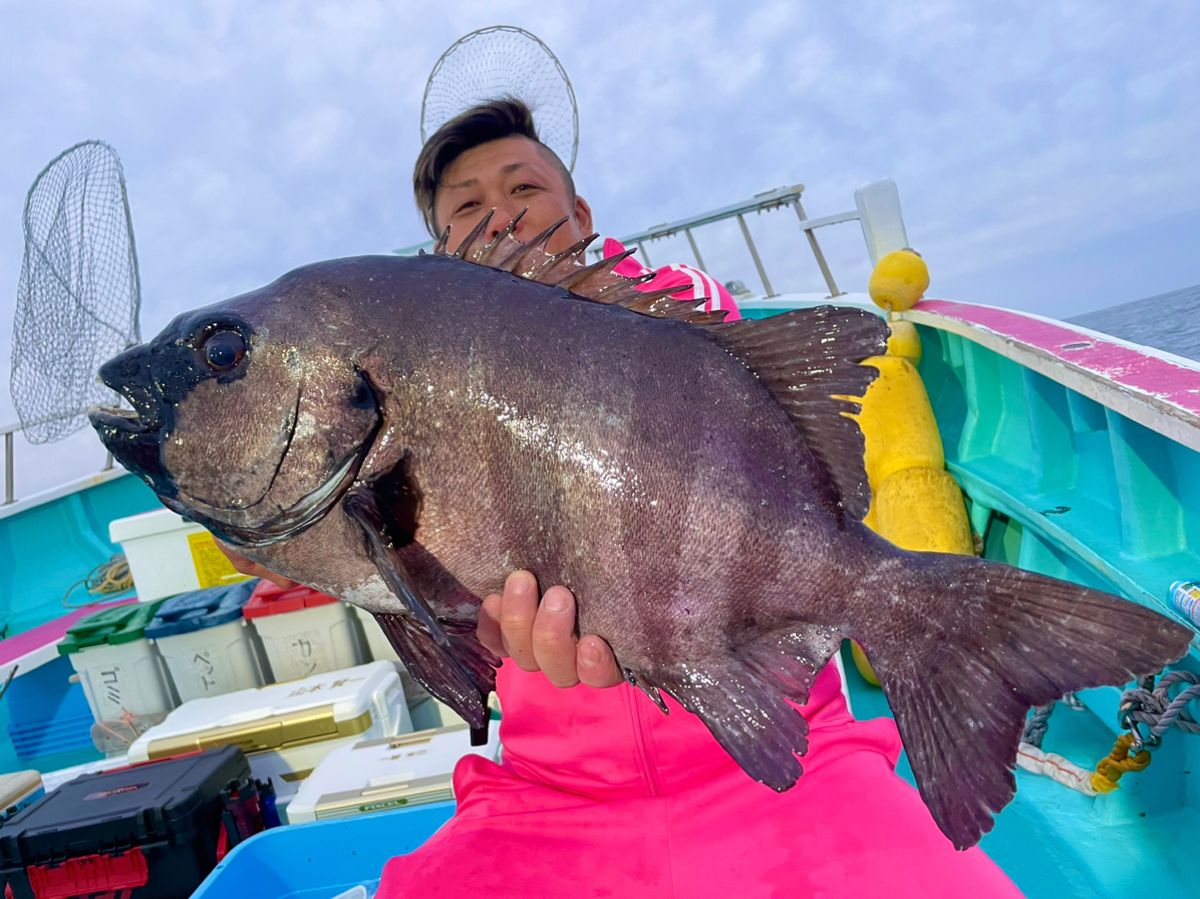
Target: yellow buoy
{"type": "Point", "coordinates": [899, 280]}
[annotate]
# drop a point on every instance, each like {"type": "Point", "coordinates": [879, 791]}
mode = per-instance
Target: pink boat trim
{"type": "Point", "coordinates": [1139, 369]}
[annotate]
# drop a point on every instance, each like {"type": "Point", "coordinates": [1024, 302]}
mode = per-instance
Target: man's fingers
{"type": "Point", "coordinates": [554, 637]}
{"type": "Point", "coordinates": [487, 628]}
{"type": "Point", "coordinates": [596, 664]}
{"type": "Point", "coordinates": [517, 612]}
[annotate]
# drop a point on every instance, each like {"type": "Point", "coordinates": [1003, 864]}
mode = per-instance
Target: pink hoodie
{"type": "Point", "coordinates": [600, 794]}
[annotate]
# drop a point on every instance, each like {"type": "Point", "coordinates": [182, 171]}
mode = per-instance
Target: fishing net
{"type": "Point", "coordinates": [79, 293]}
{"type": "Point", "coordinates": [503, 61]}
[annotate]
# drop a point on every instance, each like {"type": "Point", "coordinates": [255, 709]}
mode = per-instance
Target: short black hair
{"type": "Point", "coordinates": [481, 124]}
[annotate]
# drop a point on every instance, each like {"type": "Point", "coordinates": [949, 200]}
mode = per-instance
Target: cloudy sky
{"type": "Point", "coordinates": [1045, 151]}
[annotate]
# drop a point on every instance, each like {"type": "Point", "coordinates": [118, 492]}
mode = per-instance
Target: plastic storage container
{"type": "Point", "coordinates": [314, 861]}
{"type": "Point", "coordinates": [168, 555]}
{"type": "Point", "coordinates": [206, 644]}
{"type": "Point", "coordinates": [151, 831]}
{"type": "Point", "coordinates": [286, 729]}
{"type": "Point", "coordinates": [303, 632]}
{"type": "Point", "coordinates": [378, 775]}
{"type": "Point", "coordinates": [122, 677]}
{"type": "Point", "coordinates": [18, 790]}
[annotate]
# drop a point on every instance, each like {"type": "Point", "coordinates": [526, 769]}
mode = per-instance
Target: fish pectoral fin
{"type": "Point", "coordinates": [362, 507]}
{"type": "Point", "coordinates": [445, 658]}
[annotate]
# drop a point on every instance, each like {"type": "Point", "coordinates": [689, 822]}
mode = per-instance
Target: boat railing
{"type": "Point", "coordinates": [876, 209]}
{"type": "Point", "coordinates": [9, 432]}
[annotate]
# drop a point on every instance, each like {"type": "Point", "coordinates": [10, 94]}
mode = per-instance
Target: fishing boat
{"type": "Point", "coordinates": [1077, 455]}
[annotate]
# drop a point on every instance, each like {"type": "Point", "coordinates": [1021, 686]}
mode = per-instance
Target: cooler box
{"type": "Point", "coordinates": [206, 644]}
{"type": "Point", "coordinates": [378, 775]}
{"type": "Point", "coordinates": [122, 676]}
{"type": "Point", "coordinates": [18, 790]}
{"type": "Point", "coordinates": [168, 555]}
{"type": "Point", "coordinates": [149, 832]}
{"type": "Point", "coordinates": [303, 632]}
{"type": "Point", "coordinates": [286, 729]}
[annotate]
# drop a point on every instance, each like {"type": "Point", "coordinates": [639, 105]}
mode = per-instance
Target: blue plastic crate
{"type": "Point", "coordinates": [318, 861]}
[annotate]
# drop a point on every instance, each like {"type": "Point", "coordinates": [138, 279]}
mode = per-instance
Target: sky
{"type": "Point", "coordinates": [1045, 152]}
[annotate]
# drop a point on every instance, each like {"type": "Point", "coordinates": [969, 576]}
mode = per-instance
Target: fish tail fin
{"type": "Point", "coordinates": [961, 677]}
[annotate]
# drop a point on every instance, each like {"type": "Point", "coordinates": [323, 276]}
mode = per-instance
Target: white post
{"type": "Point", "coordinates": [879, 214]}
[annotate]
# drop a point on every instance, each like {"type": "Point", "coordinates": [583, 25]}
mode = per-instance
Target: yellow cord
{"type": "Point", "coordinates": [105, 579]}
{"type": "Point", "coordinates": [1117, 763]}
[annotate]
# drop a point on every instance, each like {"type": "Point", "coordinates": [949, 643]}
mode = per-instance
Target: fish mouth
{"type": "Point", "coordinates": [134, 442]}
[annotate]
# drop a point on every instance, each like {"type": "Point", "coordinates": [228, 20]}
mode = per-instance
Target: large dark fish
{"type": "Point", "coordinates": [405, 432]}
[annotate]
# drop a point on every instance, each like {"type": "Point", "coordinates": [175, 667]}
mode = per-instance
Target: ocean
{"type": "Point", "coordinates": [1169, 321]}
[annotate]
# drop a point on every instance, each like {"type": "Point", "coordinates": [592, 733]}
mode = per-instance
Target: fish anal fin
{"type": "Point", "coordinates": [746, 713]}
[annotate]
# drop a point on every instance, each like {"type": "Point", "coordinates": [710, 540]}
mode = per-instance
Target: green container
{"type": "Point", "coordinates": [112, 627]}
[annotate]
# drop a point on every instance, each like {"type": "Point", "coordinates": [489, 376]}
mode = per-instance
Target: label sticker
{"type": "Point", "coordinates": [213, 568]}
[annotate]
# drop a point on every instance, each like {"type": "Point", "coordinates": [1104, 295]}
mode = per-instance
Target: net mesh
{"type": "Point", "coordinates": [79, 293]}
{"type": "Point", "coordinates": [504, 61]}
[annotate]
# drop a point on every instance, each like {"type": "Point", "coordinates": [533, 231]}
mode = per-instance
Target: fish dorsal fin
{"type": "Point", "coordinates": [807, 358]}
{"type": "Point", "coordinates": [598, 281]}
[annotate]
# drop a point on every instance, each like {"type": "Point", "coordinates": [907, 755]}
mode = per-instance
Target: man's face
{"type": "Point", "coordinates": [509, 174]}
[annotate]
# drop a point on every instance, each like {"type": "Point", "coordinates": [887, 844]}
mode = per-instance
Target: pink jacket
{"type": "Point", "coordinates": [693, 283]}
{"type": "Point", "coordinates": [600, 794]}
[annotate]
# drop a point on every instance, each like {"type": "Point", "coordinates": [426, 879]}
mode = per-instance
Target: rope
{"type": "Point", "coordinates": [1157, 710]}
{"type": "Point", "coordinates": [1035, 727]}
{"type": "Point", "coordinates": [105, 579]}
{"type": "Point", "coordinates": [1037, 760]}
{"type": "Point", "coordinates": [1118, 763]}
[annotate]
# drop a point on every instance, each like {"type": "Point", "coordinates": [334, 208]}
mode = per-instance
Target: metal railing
{"type": "Point", "coordinates": [877, 209]}
{"type": "Point", "coordinates": [8, 432]}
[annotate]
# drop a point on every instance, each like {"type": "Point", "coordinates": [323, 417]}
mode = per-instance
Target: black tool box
{"type": "Point", "coordinates": [151, 831]}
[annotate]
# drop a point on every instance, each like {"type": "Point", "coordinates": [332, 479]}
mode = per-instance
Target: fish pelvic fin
{"type": "Point", "coordinates": [961, 676]}
{"type": "Point", "coordinates": [463, 682]}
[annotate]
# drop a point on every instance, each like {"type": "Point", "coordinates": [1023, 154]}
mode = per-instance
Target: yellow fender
{"type": "Point", "coordinates": [915, 503]}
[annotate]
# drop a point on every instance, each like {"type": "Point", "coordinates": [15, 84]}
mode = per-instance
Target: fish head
{"type": "Point", "coordinates": [243, 419]}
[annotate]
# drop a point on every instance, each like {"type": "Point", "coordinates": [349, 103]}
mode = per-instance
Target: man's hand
{"type": "Point", "coordinates": [542, 637]}
{"type": "Point", "coordinates": [245, 566]}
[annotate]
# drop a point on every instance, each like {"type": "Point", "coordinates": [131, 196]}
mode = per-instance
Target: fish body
{"type": "Point", "coordinates": [405, 432]}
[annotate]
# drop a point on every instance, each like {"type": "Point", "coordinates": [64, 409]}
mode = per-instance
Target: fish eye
{"type": "Point", "coordinates": [224, 350]}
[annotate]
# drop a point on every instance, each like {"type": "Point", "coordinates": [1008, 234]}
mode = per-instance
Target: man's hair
{"type": "Point", "coordinates": [496, 119]}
